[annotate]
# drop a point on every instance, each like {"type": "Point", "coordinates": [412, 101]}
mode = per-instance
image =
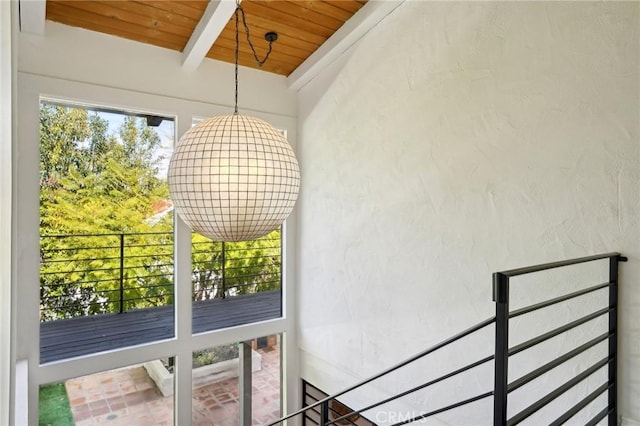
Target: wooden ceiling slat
{"type": "Point", "coordinates": [284, 41]}
{"type": "Point", "coordinates": [348, 5]}
{"type": "Point", "coordinates": [255, 22]}
{"type": "Point", "coordinates": [261, 48]}
{"type": "Point", "coordinates": [152, 15]}
{"type": "Point", "coordinates": [247, 60]}
{"type": "Point", "coordinates": [111, 12]}
{"type": "Point", "coordinates": [69, 15]}
{"type": "Point", "coordinates": [189, 9]}
{"type": "Point", "coordinates": [324, 8]}
{"type": "Point", "coordinates": [253, 8]}
{"type": "Point", "coordinates": [298, 11]}
{"type": "Point", "coordinates": [78, 21]}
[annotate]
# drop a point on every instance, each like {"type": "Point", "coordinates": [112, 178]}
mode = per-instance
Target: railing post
{"type": "Point", "coordinates": [613, 337]}
{"type": "Point", "coordinates": [324, 413]}
{"type": "Point", "coordinates": [224, 271]}
{"type": "Point", "coordinates": [121, 273]}
{"type": "Point", "coordinates": [501, 297]}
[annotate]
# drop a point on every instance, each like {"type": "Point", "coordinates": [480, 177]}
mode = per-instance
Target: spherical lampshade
{"type": "Point", "coordinates": [233, 178]}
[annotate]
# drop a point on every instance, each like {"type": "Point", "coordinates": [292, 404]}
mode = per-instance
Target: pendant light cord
{"type": "Point", "coordinates": [270, 37]}
{"type": "Point", "coordinates": [236, 57]}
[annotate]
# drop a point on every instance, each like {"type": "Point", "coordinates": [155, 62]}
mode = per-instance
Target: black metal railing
{"type": "Point", "coordinates": [502, 386]}
{"type": "Point", "coordinates": [319, 411]}
{"type": "Point", "coordinates": [91, 274]}
{"type": "Point", "coordinates": [323, 405]}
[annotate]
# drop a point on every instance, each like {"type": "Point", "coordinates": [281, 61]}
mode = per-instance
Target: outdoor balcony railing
{"type": "Point", "coordinates": [91, 274]}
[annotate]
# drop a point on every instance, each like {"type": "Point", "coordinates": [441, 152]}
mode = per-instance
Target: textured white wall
{"type": "Point", "coordinates": [455, 140]}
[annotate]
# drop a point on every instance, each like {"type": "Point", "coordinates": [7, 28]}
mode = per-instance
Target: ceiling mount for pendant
{"type": "Point", "coordinates": [271, 36]}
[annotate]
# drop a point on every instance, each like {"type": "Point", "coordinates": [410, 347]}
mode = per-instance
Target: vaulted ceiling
{"type": "Point", "coordinates": [207, 29]}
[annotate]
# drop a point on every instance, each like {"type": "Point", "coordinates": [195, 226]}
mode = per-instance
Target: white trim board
{"type": "Point", "coordinates": [353, 30]}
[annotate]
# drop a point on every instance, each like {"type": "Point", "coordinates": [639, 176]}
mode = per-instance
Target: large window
{"type": "Point", "coordinates": [119, 275]}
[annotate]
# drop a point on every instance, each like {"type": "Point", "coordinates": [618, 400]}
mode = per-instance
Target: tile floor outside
{"type": "Point", "coordinates": [128, 397]}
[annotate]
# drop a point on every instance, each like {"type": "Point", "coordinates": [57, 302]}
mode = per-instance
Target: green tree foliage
{"type": "Point", "coordinates": [95, 190]}
{"type": "Point", "coordinates": [99, 196]}
{"type": "Point", "coordinates": [246, 267]}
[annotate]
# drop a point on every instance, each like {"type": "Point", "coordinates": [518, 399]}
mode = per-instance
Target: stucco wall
{"type": "Point", "coordinates": [455, 140]}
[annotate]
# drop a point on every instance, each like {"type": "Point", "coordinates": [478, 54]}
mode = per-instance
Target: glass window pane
{"type": "Point", "coordinates": [215, 386]}
{"type": "Point", "coordinates": [220, 377]}
{"type": "Point", "coordinates": [266, 380]}
{"type": "Point", "coordinates": [106, 230]}
{"type": "Point", "coordinates": [126, 396]}
{"type": "Point", "coordinates": [235, 283]}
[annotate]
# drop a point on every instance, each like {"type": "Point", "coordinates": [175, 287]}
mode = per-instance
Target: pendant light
{"type": "Point", "coordinates": [234, 177]}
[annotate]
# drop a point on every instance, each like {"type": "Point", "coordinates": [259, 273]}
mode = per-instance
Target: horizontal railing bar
{"type": "Point", "coordinates": [443, 409]}
{"type": "Point", "coordinates": [66, 284]}
{"type": "Point", "coordinates": [84, 259]}
{"type": "Point", "coordinates": [146, 286]}
{"type": "Point", "coordinates": [79, 248]}
{"type": "Point", "coordinates": [557, 361]}
{"type": "Point", "coordinates": [262, 281]}
{"type": "Point", "coordinates": [217, 252]}
{"type": "Point", "coordinates": [386, 371]}
{"type": "Point", "coordinates": [158, 265]}
{"type": "Point", "coordinates": [200, 243]}
{"type": "Point", "coordinates": [80, 271]}
{"type": "Point", "coordinates": [105, 234]}
{"type": "Point", "coordinates": [559, 299]}
{"type": "Point", "coordinates": [242, 278]}
{"type": "Point", "coordinates": [557, 392]}
{"type": "Point", "coordinates": [231, 253]}
{"type": "Point", "coordinates": [100, 293]}
{"type": "Point", "coordinates": [241, 249]}
{"type": "Point", "coordinates": [219, 243]}
{"type": "Point", "coordinates": [546, 336]}
{"type": "Point", "coordinates": [149, 276]}
{"type": "Point", "coordinates": [107, 269]}
{"type": "Point", "coordinates": [417, 388]}
{"type": "Point", "coordinates": [553, 265]}
{"type": "Point", "coordinates": [580, 405]}
{"type": "Point", "coordinates": [128, 246]}
{"type": "Point", "coordinates": [154, 254]}
{"type": "Point", "coordinates": [150, 299]}
{"type": "Point", "coordinates": [251, 266]}
{"type": "Point", "coordinates": [168, 243]}
{"type": "Point", "coordinates": [601, 415]}
{"type": "Point", "coordinates": [86, 305]}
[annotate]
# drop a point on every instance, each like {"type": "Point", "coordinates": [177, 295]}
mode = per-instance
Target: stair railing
{"type": "Point", "coordinates": [502, 388]}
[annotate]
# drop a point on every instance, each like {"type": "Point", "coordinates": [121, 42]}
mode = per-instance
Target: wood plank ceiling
{"type": "Point", "coordinates": [302, 25]}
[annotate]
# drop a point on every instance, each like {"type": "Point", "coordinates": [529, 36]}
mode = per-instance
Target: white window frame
{"type": "Point", "coordinates": [33, 88]}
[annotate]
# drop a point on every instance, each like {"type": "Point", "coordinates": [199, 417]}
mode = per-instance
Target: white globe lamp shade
{"type": "Point", "coordinates": [233, 178]}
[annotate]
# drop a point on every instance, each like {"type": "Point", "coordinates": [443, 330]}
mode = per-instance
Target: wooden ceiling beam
{"type": "Point", "coordinates": [32, 16]}
{"type": "Point", "coordinates": [353, 30]}
{"type": "Point", "coordinates": [213, 21]}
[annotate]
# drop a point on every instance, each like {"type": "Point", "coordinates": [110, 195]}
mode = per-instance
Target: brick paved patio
{"type": "Point", "coordinates": [128, 397]}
